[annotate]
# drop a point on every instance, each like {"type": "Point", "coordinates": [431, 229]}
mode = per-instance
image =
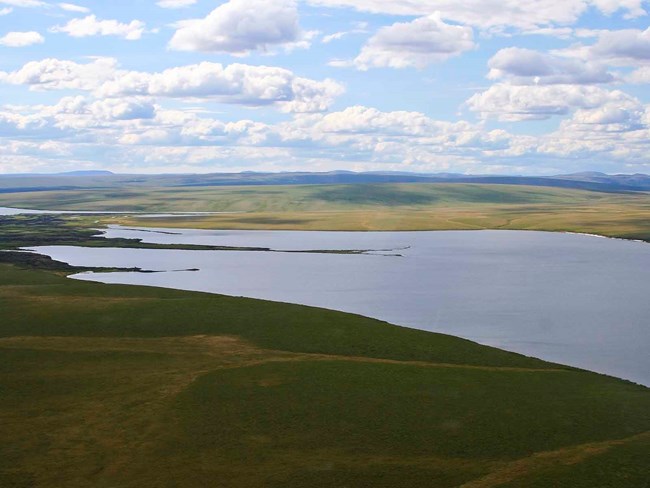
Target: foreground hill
{"type": "Point", "coordinates": [105, 385]}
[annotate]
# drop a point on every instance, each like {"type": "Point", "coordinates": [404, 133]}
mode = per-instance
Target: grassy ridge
{"type": "Point", "coordinates": [105, 385]}
{"type": "Point", "coordinates": [298, 198]}
{"type": "Point", "coordinates": [367, 207]}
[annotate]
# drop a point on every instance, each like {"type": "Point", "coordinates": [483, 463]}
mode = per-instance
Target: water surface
{"type": "Point", "coordinates": [573, 299]}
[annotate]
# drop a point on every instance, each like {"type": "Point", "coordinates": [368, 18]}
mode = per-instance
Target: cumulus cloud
{"type": "Point", "coordinates": [632, 8]}
{"type": "Point", "coordinates": [5, 11]}
{"type": "Point", "coordinates": [123, 116]}
{"type": "Point", "coordinates": [639, 76]}
{"type": "Point", "coordinates": [80, 121]}
{"type": "Point", "coordinates": [71, 7]}
{"type": "Point", "coordinates": [366, 120]}
{"type": "Point", "coordinates": [614, 134]}
{"type": "Point", "coordinates": [494, 15]}
{"type": "Point", "coordinates": [623, 46]}
{"type": "Point", "coordinates": [57, 74]}
{"type": "Point", "coordinates": [415, 44]}
{"type": "Point", "coordinates": [173, 4]}
{"type": "Point", "coordinates": [136, 132]}
{"type": "Point", "coordinates": [236, 83]}
{"type": "Point", "coordinates": [241, 26]}
{"type": "Point", "coordinates": [610, 117]}
{"type": "Point", "coordinates": [527, 67]}
{"type": "Point", "coordinates": [92, 26]}
{"type": "Point", "coordinates": [515, 103]}
{"type": "Point", "coordinates": [21, 39]}
{"type": "Point", "coordinates": [411, 140]}
{"type": "Point", "coordinates": [123, 109]}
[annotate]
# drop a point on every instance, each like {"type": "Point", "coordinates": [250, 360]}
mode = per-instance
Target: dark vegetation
{"type": "Point", "coordinates": [106, 385]}
{"type": "Point", "coordinates": [124, 386]}
{"type": "Point", "coordinates": [30, 260]}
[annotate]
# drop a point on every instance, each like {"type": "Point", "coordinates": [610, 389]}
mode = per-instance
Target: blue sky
{"type": "Point", "coordinates": [467, 86]}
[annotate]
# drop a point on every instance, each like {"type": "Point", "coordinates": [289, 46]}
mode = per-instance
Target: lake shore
{"type": "Point", "coordinates": [515, 312]}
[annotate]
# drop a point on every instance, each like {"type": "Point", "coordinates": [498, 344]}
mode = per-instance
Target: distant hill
{"type": "Point", "coordinates": [105, 179]}
{"type": "Point", "coordinates": [86, 173]}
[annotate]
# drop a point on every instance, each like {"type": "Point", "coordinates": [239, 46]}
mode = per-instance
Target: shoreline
{"type": "Point", "coordinates": [87, 277]}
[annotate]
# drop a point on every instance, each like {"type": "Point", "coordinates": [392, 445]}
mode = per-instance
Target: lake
{"type": "Point", "coordinates": [574, 299]}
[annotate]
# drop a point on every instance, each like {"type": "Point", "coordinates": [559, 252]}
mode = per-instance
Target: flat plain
{"type": "Point", "coordinates": [364, 207]}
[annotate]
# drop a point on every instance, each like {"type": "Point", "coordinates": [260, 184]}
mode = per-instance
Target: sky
{"type": "Point", "coordinates": [532, 87]}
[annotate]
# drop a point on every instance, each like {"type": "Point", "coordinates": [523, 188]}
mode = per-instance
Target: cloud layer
{"type": "Point", "coordinates": [475, 86]}
{"type": "Point", "coordinates": [233, 84]}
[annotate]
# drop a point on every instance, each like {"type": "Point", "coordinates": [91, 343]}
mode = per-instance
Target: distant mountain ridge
{"type": "Point", "coordinates": [593, 181]}
{"type": "Point", "coordinates": [99, 172]}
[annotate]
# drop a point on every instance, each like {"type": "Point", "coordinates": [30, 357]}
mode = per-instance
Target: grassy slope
{"type": "Point", "coordinates": [104, 385]}
{"type": "Point", "coordinates": [369, 207]}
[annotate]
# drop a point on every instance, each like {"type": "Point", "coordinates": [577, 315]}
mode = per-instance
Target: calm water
{"type": "Point", "coordinates": [573, 299]}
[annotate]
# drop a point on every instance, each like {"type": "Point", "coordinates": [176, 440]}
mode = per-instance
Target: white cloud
{"type": "Point", "coordinates": [640, 76]}
{"type": "Point", "coordinates": [494, 14]}
{"type": "Point", "coordinates": [623, 46]}
{"type": "Point", "coordinates": [5, 11]}
{"type": "Point", "coordinates": [557, 32]}
{"type": "Point", "coordinates": [360, 28]}
{"type": "Point", "coordinates": [71, 7]}
{"type": "Point", "coordinates": [134, 133]}
{"type": "Point", "coordinates": [409, 140]}
{"type": "Point", "coordinates": [235, 83]}
{"type": "Point", "coordinates": [415, 44]}
{"type": "Point", "coordinates": [616, 134]}
{"type": "Point", "coordinates": [123, 109]}
{"type": "Point", "coordinates": [21, 39]}
{"type": "Point", "coordinates": [340, 63]}
{"type": "Point", "coordinates": [527, 67]}
{"type": "Point", "coordinates": [57, 74]}
{"type": "Point", "coordinates": [92, 26]}
{"type": "Point", "coordinates": [241, 26]}
{"type": "Point", "coordinates": [515, 103]}
{"type": "Point", "coordinates": [613, 116]}
{"type": "Point", "coordinates": [173, 4]}
{"type": "Point", "coordinates": [634, 8]}
{"type": "Point", "coordinates": [366, 120]}
{"type": "Point", "coordinates": [334, 37]}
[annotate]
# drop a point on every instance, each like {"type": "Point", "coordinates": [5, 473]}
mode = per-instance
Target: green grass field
{"type": "Point", "coordinates": [365, 207]}
{"type": "Point", "coordinates": [105, 385]}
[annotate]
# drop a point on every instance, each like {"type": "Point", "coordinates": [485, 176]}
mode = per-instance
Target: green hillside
{"type": "Point", "coordinates": [105, 385]}
{"type": "Point", "coordinates": [364, 207]}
